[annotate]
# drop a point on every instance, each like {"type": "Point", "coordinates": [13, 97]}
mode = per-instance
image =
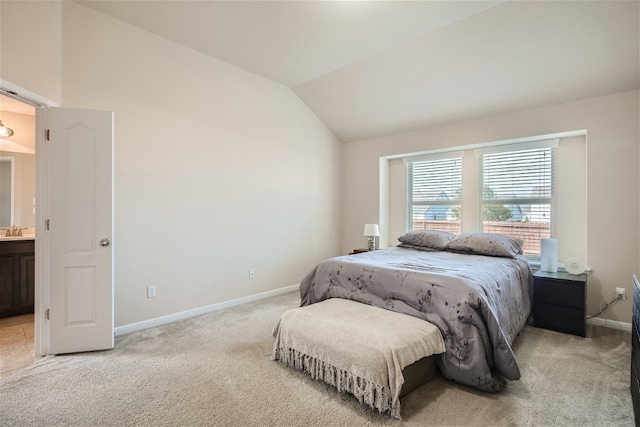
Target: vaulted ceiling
{"type": "Point", "coordinates": [372, 68]}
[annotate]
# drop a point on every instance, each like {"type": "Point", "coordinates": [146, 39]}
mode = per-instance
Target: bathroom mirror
{"type": "Point", "coordinates": [17, 189]}
{"type": "Point", "coordinates": [6, 191]}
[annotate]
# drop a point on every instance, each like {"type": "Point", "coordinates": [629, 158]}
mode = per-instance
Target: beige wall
{"type": "Point", "coordinates": [612, 203]}
{"type": "Point", "coordinates": [217, 170]}
{"type": "Point", "coordinates": [31, 46]}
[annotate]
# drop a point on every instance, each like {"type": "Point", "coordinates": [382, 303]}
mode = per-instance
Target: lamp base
{"type": "Point", "coordinates": [371, 241]}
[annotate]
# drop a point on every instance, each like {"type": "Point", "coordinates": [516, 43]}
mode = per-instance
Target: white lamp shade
{"type": "Point", "coordinates": [371, 230]}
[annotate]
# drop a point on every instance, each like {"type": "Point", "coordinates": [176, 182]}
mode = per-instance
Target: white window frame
{"type": "Point", "coordinates": [467, 155]}
{"type": "Point", "coordinates": [547, 200]}
{"type": "Point", "coordinates": [410, 202]}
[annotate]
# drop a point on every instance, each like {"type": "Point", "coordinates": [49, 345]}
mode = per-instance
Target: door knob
{"type": "Point", "coordinates": [105, 242]}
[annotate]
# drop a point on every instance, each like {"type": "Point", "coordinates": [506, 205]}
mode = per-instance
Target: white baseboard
{"type": "Point", "coordinates": [613, 324]}
{"type": "Point", "coordinates": [127, 329]}
{"type": "Point", "coordinates": [138, 326]}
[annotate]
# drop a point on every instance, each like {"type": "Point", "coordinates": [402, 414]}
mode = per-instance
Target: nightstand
{"type": "Point", "coordinates": [559, 302]}
{"type": "Point", "coordinates": [358, 251]}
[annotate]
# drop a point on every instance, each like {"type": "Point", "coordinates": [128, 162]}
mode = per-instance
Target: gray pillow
{"type": "Point", "coordinates": [419, 248]}
{"type": "Point", "coordinates": [434, 239]}
{"type": "Point", "coordinates": [486, 244]}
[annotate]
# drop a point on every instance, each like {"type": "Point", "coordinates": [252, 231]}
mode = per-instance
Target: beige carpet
{"type": "Point", "coordinates": [216, 370]}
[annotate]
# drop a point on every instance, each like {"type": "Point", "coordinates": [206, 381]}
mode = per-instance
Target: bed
{"type": "Point", "coordinates": [475, 287]}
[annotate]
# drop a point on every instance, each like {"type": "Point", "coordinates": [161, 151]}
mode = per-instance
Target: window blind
{"type": "Point", "coordinates": [434, 186]}
{"type": "Point", "coordinates": [515, 193]}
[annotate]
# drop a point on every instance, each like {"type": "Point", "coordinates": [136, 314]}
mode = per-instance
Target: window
{"type": "Point", "coordinates": [515, 192]}
{"type": "Point", "coordinates": [434, 188]}
{"type": "Point", "coordinates": [514, 184]}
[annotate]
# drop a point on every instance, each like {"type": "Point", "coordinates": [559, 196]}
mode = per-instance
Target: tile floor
{"type": "Point", "coordinates": [16, 344]}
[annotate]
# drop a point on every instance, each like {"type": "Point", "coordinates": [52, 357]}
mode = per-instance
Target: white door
{"type": "Point", "coordinates": [79, 229]}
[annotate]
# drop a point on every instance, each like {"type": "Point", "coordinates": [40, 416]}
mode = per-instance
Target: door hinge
{"type": "Point", "coordinates": [47, 223]}
{"type": "Point", "coordinates": [47, 134]}
{"type": "Point", "coordinates": [46, 313]}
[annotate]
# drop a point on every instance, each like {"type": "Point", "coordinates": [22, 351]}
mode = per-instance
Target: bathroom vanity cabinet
{"type": "Point", "coordinates": [17, 277]}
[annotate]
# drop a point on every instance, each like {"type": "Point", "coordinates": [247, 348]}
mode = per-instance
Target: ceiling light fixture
{"type": "Point", "coordinates": [5, 131]}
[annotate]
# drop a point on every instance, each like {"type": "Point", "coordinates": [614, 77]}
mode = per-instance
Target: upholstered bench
{"type": "Point", "coordinates": [375, 354]}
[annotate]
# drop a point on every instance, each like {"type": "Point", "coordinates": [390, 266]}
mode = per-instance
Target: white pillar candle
{"type": "Point", "coordinates": [549, 255]}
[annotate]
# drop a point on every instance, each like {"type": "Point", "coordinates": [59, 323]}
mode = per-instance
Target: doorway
{"type": "Point", "coordinates": [74, 286]}
{"type": "Point", "coordinates": [17, 152]}
{"type": "Point", "coordinates": [24, 98]}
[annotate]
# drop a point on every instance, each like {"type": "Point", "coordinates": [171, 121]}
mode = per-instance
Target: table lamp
{"type": "Point", "coordinates": [371, 231]}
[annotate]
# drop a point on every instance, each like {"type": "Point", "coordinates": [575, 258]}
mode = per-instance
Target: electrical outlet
{"type": "Point", "coordinates": [151, 291]}
{"type": "Point", "coordinates": [621, 293]}
{"type": "Point", "coordinates": [252, 273]}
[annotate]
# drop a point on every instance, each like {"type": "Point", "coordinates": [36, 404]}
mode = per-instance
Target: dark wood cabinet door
{"type": "Point", "coordinates": [27, 280]}
{"type": "Point", "coordinates": [6, 283]}
{"type": "Point", "coordinates": [17, 277]}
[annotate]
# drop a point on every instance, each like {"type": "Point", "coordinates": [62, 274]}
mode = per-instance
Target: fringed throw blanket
{"type": "Point", "coordinates": [355, 347]}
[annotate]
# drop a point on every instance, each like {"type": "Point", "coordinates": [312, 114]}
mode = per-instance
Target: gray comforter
{"type": "Point", "coordinates": [479, 303]}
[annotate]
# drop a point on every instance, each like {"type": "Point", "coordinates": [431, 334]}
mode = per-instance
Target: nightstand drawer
{"type": "Point", "coordinates": [635, 351]}
{"type": "Point", "coordinates": [561, 293]}
{"type": "Point", "coordinates": [559, 319]}
{"type": "Point", "coordinates": [636, 308]}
